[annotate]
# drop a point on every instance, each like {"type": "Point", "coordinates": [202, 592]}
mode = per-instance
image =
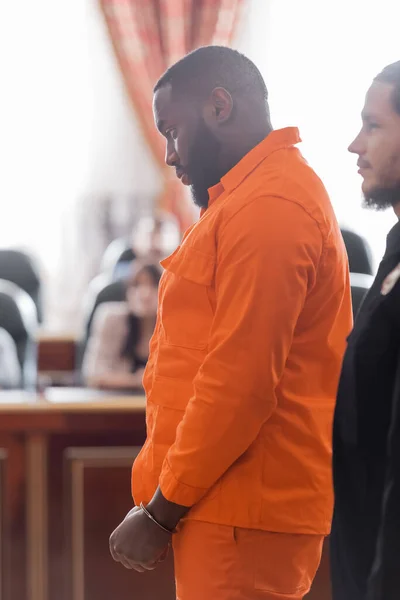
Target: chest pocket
{"type": "Point", "coordinates": [186, 308]}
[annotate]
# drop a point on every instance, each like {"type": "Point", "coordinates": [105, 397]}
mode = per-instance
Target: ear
{"type": "Point", "coordinates": [221, 105]}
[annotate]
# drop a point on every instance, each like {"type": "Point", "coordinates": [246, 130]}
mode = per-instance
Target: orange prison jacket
{"type": "Point", "coordinates": [254, 310]}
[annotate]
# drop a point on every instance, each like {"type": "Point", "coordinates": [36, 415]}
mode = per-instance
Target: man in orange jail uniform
{"type": "Point", "coordinates": [254, 310]}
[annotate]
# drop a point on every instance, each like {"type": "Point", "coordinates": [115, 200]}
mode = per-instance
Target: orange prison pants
{"type": "Point", "coordinates": [216, 562]}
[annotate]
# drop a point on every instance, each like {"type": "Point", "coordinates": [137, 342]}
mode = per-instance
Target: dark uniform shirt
{"type": "Point", "coordinates": [365, 541]}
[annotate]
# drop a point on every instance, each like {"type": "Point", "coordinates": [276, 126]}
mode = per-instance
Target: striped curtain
{"type": "Point", "coordinates": [150, 35]}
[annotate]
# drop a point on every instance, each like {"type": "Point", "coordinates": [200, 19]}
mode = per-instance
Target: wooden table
{"type": "Point", "coordinates": [65, 460]}
{"type": "Point", "coordinates": [56, 354]}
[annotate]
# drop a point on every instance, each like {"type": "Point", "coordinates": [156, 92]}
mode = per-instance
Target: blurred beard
{"type": "Point", "coordinates": [203, 164]}
{"type": "Point", "coordinates": [382, 198]}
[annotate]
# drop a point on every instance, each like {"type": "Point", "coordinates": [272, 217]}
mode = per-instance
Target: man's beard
{"type": "Point", "coordinates": [203, 164]}
{"type": "Point", "coordinates": [382, 198]}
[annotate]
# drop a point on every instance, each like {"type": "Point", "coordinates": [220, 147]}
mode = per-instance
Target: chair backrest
{"type": "Point", "coordinates": [360, 284]}
{"type": "Point", "coordinates": [100, 290]}
{"type": "Point", "coordinates": [123, 267]}
{"type": "Point", "coordinates": [118, 254]}
{"type": "Point", "coordinates": [18, 316]}
{"type": "Point", "coordinates": [20, 268]}
{"type": "Point", "coordinates": [359, 253]}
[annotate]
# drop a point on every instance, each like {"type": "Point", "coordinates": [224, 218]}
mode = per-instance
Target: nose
{"type": "Point", "coordinates": [357, 146]}
{"type": "Point", "coordinates": [171, 156]}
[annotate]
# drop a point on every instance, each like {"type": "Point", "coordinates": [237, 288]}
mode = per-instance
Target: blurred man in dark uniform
{"type": "Point", "coordinates": [365, 539]}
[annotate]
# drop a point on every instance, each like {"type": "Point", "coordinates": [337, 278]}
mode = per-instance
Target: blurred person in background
{"type": "Point", "coordinates": [365, 541]}
{"type": "Point", "coordinates": [154, 237]}
{"type": "Point", "coordinates": [10, 369]}
{"type": "Point", "coordinates": [241, 382]}
{"type": "Point", "coordinates": [118, 347]}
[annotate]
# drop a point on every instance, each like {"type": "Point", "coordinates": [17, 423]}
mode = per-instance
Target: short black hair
{"type": "Point", "coordinates": [391, 75]}
{"type": "Point", "coordinates": [206, 68]}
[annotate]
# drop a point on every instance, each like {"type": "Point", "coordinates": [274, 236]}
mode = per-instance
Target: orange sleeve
{"type": "Point", "coordinates": [268, 254]}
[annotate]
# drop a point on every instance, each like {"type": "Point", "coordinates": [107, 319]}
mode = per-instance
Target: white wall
{"type": "Point", "coordinates": [67, 128]}
{"type": "Point", "coordinates": [68, 132]}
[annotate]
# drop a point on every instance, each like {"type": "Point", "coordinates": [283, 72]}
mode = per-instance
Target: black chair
{"type": "Point", "coordinates": [100, 290]}
{"type": "Point", "coordinates": [20, 268]}
{"type": "Point", "coordinates": [117, 259]}
{"type": "Point", "coordinates": [18, 316]}
{"type": "Point", "coordinates": [359, 252]}
{"type": "Point", "coordinates": [360, 265]}
{"type": "Point", "coordinates": [360, 284]}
